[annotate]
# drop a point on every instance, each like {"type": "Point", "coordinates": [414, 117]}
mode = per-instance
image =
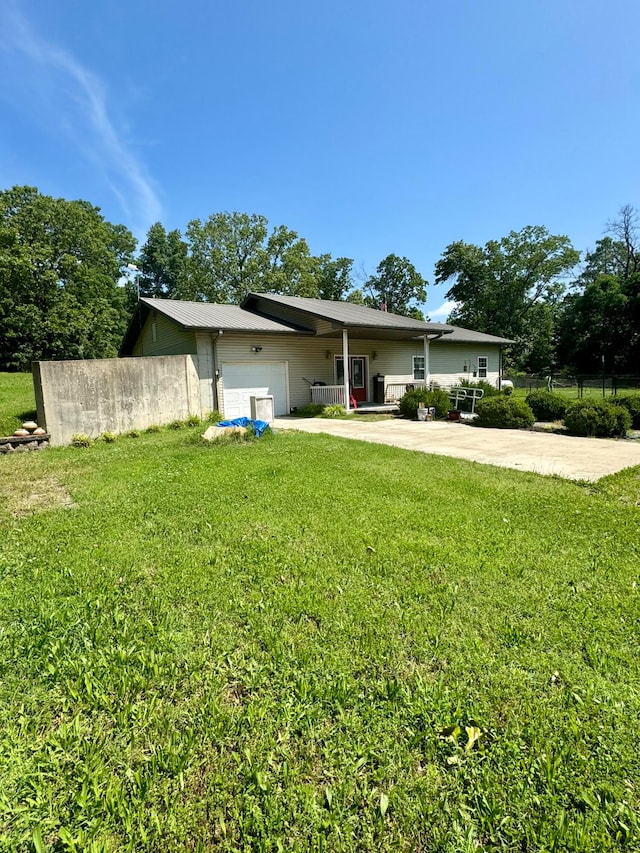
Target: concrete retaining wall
{"type": "Point", "coordinates": [114, 394]}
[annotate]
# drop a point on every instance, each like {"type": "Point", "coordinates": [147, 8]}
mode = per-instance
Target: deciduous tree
{"type": "Point", "coordinates": [60, 265]}
{"type": "Point", "coordinates": [231, 254]}
{"type": "Point", "coordinates": [396, 287]}
{"type": "Point", "coordinates": [162, 263]}
{"type": "Point", "coordinates": [601, 317]}
{"type": "Point", "coordinates": [497, 286]}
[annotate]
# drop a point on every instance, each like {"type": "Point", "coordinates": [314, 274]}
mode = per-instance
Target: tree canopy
{"type": "Point", "coordinates": [60, 264]}
{"type": "Point", "coordinates": [230, 254]}
{"type": "Point", "coordinates": [396, 287]}
{"type": "Point", "coordinates": [162, 263]}
{"type": "Point", "coordinates": [600, 318]}
{"type": "Point", "coordinates": [499, 287]}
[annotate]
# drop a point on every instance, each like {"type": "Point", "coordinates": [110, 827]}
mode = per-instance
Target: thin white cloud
{"type": "Point", "coordinates": [82, 112]}
{"type": "Point", "coordinates": [443, 311]}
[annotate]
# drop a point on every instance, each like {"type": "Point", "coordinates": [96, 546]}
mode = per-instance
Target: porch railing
{"type": "Point", "coordinates": [327, 395]}
{"type": "Point", "coordinates": [394, 391]}
{"type": "Point", "coordinates": [330, 395]}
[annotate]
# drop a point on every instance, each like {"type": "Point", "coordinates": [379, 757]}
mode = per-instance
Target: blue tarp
{"type": "Point", "coordinates": [259, 426]}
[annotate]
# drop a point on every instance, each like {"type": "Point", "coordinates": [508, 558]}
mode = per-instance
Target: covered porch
{"type": "Point", "coordinates": [391, 394]}
{"type": "Point", "coordinates": [330, 395]}
{"type": "Point", "coordinates": [355, 387]}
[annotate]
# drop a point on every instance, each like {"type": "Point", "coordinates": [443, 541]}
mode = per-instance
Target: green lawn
{"type": "Point", "coordinates": [311, 644]}
{"type": "Point", "coordinates": [17, 402]}
{"type": "Point", "coordinates": [571, 392]}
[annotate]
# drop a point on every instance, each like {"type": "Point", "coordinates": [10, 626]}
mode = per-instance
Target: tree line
{"type": "Point", "coordinates": [69, 282]}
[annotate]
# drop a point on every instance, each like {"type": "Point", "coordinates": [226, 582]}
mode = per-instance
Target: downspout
{"type": "Point", "coordinates": [216, 372]}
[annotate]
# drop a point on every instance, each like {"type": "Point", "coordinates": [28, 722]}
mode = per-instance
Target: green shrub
{"type": "Point", "coordinates": [214, 417]}
{"type": "Point", "coordinates": [507, 390]}
{"type": "Point", "coordinates": [465, 405]}
{"type": "Point", "coordinates": [80, 439]}
{"type": "Point", "coordinates": [489, 389]}
{"type": "Point", "coordinates": [597, 418]}
{"type": "Point", "coordinates": [177, 424]}
{"type": "Point", "coordinates": [310, 411]}
{"type": "Point", "coordinates": [335, 411]}
{"type": "Point", "coordinates": [504, 413]}
{"type": "Point", "coordinates": [109, 437]}
{"type": "Point", "coordinates": [546, 405]}
{"type": "Point", "coordinates": [153, 428]}
{"type": "Point", "coordinates": [194, 421]}
{"type": "Point", "coordinates": [133, 433]}
{"type": "Point", "coordinates": [410, 402]}
{"type": "Point", "coordinates": [631, 402]}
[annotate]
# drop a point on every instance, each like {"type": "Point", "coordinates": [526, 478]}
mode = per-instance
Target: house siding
{"type": "Point", "coordinates": [297, 317]}
{"type": "Point", "coordinates": [306, 358]}
{"type": "Point", "coordinates": [171, 339]}
{"type": "Point", "coordinates": [206, 369]}
{"type": "Point", "coordinates": [447, 361]}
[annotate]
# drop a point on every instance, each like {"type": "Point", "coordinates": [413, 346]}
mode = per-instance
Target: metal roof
{"type": "Point", "coordinates": [468, 336]}
{"type": "Point", "coordinates": [210, 315]}
{"type": "Point", "coordinates": [308, 314]}
{"type": "Point", "coordinates": [347, 314]}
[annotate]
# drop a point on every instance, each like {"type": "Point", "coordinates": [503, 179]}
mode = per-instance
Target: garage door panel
{"type": "Point", "coordinates": [241, 381]}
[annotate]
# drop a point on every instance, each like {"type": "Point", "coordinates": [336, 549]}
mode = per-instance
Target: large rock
{"type": "Point", "coordinates": [214, 432]}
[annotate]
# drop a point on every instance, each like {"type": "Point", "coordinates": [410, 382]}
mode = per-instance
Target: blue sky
{"type": "Point", "coordinates": [368, 127]}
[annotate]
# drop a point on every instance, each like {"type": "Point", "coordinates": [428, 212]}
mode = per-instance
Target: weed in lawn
{"type": "Point", "coordinates": [80, 439]}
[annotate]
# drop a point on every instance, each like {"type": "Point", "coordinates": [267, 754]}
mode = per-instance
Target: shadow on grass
{"type": "Point", "coordinates": [29, 415]}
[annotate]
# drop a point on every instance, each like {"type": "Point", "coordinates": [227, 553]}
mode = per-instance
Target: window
{"type": "Point", "coordinates": [483, 366]}
{"type": "Point", "coordinates": [418, 367]}
{"type": "Point", "coordinates": [357, 372]}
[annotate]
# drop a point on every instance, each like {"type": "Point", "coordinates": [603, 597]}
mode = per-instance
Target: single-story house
{"type": "Point", "coordinates": [295, 349]}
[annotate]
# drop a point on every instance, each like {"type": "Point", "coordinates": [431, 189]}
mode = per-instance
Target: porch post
{"type": "Point", "coordinates": [345, 363]}
{"type": "Point", "coordinates": [427, 375]}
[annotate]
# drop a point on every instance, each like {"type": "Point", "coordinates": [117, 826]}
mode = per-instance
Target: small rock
{"type": "Point", "coordinates": [39, 431]}
{"type": "Point", "coordinates": [30, 425]}
{"type": "Point", "coordinates": [21, 432]}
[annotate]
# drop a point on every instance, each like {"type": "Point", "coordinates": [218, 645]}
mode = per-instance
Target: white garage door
{"type": "Point", "coordinates": [242, 381]}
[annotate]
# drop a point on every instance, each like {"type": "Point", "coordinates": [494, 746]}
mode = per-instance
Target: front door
{"type": "Point", "coordinates": [357, 375]}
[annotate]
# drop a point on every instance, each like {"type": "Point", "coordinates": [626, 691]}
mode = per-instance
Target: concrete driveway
{"type": "Point", "coordinates": [543, 453]}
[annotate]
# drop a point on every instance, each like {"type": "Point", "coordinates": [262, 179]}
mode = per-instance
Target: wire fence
{"type": "Point", "coordinates": [584, 385]}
